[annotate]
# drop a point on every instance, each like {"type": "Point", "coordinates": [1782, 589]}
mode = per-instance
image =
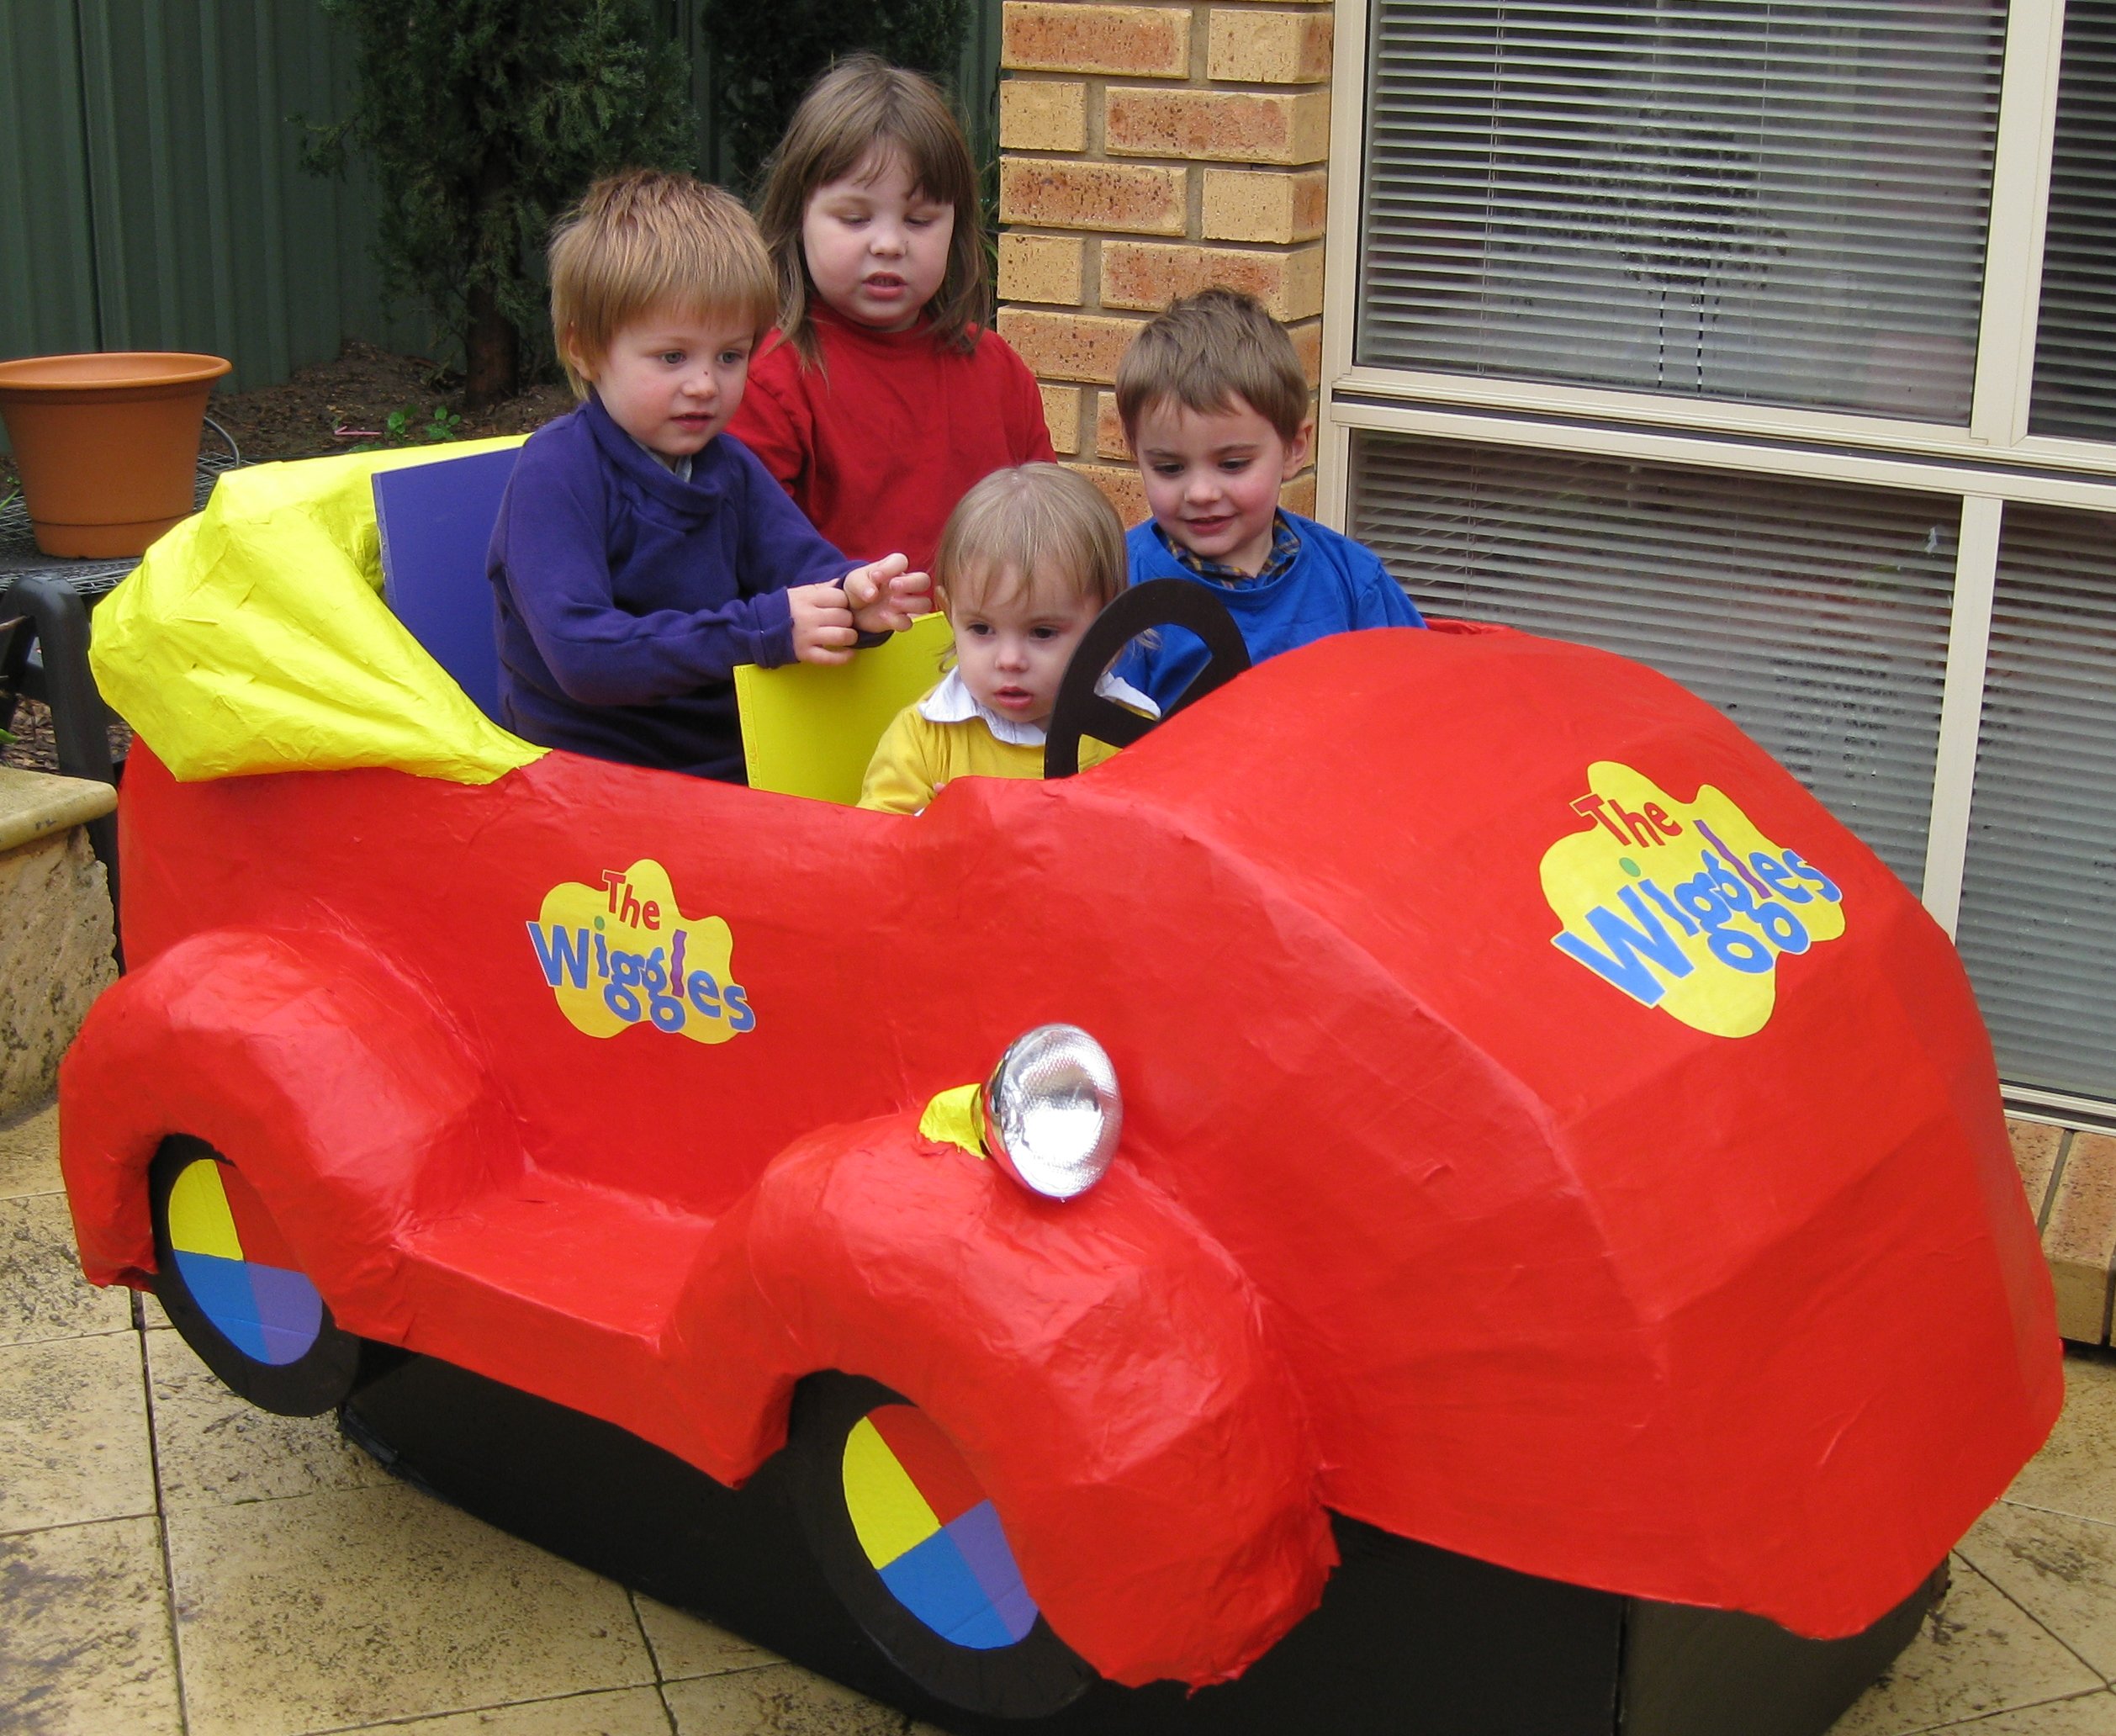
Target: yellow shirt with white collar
{"type": "Point", "coordinates": [947, 735]}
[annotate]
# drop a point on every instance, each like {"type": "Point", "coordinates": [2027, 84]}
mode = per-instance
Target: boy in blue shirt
{"type": "Point", "coordinates": [1215, 406]}
{"type": "Point", "coordinates": [640, 552]}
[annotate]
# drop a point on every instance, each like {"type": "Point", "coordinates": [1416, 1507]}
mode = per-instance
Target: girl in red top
{"type": "Point", "coordinates": [880, 400]}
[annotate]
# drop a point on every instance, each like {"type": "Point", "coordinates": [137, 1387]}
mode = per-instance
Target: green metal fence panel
{"type": "Point", "coordinates": [151, 195]}
{"type": "Point", "coordinates": [47, 244]}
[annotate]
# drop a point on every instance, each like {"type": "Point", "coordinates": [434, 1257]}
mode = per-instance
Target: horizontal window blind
{"type": "Point", "coordinates": [2075, 388]}
{"type": "Point", "coordinates": [1776, 203]}
{"type": "Point", "coordinates": [1815, 616]}
{"type": "Point", "coordinates": [2038, 923]}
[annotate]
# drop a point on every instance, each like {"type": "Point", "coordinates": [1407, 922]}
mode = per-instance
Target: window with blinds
{"type": "Point", "coordinates": [1815, 616]}
{"type": "Point", "coordinates": [2075, 388]}
{"type": "Point", "coordinates": [1779, 203]}
{"type": "Point", "coordinates": [2035, 926]}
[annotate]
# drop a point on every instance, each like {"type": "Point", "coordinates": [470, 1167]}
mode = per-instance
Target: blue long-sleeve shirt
{"type": "Point", "coordinates": [1333, 585]}
{"type": "Point", "coordinates": [624, 596]}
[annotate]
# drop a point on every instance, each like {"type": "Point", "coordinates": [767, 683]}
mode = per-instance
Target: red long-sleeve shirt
{"type": "Point", "coordinates": [878, 444]}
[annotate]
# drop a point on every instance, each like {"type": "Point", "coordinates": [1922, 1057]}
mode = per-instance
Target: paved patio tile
{"type": "Point", "coordinates": [2091, 1715]}
{"type": "Point", "coordinates": [84, 1648]}
{"type": "Point", "coordinates": [684, 1646]}
{"type": "Point", "coordinates": [30, 1154]}
{"type": "Point", "coordinates": [333, 1610]}
{"type": "Point", "coordinates": [1977, 1653]}
{"type": "Point", "coordinates": [2061, 1569]}
{"type": "Point", "coordinates": [779, 1699]}
{"type": "Point", "coordinates": [73, 1432]}
{"type": "Point", "coordinates": [2075, 1471]}
{"type": "Point", "coordinates": [42, 1292]}
{"type": "Point", "coordinates": [627, 1711]}
{"type": "Point", "coordinates": [212, 1446]}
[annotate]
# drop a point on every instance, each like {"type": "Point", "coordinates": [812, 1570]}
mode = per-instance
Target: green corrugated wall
{"type": "Point", "coordinates": [150, 192]}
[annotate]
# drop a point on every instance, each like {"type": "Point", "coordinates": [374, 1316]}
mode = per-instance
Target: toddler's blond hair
{"type": "Point", "coordinates": [1038, 526]}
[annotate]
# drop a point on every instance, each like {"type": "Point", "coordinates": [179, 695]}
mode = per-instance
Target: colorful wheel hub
{"type": "Point", "coordinates": [231, 1259]}
{"type": "Point", "coordinates": [930, 1532]}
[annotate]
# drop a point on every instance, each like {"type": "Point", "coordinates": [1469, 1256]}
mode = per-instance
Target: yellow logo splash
{"type": "Point", "coordinates": [1684, 905]}
{"type": "Point", "coordinates": [623, 954]}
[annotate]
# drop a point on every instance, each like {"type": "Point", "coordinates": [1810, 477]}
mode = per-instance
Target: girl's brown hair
{"type": "Point", "coordinates": [861, 105]}
{"type": "Point", "coordinates": [1037, 528]}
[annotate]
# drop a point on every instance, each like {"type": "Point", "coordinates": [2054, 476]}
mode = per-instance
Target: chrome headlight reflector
{"type": "Point", "coordinates": [1052, 1111]}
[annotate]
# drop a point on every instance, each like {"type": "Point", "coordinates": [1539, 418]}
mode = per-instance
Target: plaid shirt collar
{"type": "Point", "coordinates": [1285, 549]}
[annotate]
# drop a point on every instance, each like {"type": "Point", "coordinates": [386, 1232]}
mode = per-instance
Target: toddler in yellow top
{"type": "Point", "coordinates": [1029, 557]}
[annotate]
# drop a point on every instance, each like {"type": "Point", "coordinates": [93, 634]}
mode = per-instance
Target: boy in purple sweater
{"type": "Point", "coordinates": [640, 554]}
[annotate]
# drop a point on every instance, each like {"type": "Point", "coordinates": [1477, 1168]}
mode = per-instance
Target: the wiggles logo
{"type": "Point", "coordinates": [623, 954]}
{"type": "Point", "coordinates": [1684, 905]}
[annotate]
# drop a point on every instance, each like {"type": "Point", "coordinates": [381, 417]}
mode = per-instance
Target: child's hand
{"type": "Point", "coordinates": [822, 628]}
{"type": "Point", "coordinates": [884, 597]}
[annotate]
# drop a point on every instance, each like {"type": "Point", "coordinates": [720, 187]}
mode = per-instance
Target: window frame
{"type": "Point", "coordinates": [1992, 461]}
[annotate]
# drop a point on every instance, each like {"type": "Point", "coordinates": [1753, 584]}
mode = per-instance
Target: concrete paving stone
{"type": "Point", "coordinates": [73, 1432]}
{"type": "Point", "coordinates": [685, 1646]}
{"type": "Point", "coordinates": [30, 1154]}
{"type": "Point", "coordinates": [84, 1648]}
{"type": "Point", "coordinates": [781, 1700]}
{"type": "Point", "coordinates": [2075, 1471]}
{"type": "Point", "coordinates": [626, 1712]}
{"type": "Point", "coordinates": [2035, 1147]}
{"type": "Point", "coordinates": [1978, 1653]}
{"type": "Point", "coordinates": [2090, 1715]}
{"type": "Point", "coordinates": [2061, 1569]}
{"type": "Point", "coordinates": [42, 1292]}
{"type": "Point", "coordinates": [2080, 1237]}
{"type": "Point", "coordinates": [211, 1445]}
{"type": "Point", "coordinates": [348, 1607]}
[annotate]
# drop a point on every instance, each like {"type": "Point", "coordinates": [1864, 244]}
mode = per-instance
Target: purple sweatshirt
{"type": "Point", "coordinates": [624, 596]}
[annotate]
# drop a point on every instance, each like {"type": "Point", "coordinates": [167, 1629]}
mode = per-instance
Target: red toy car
{"type": "Point", "coordinates": [1545, 1133]}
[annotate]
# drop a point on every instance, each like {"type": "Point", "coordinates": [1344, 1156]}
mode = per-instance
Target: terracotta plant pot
{"type": "Point", "coordinates": [108, 444]}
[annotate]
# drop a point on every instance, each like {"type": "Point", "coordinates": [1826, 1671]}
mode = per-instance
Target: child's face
{"type": "Point", "coordinates": [671, 380]}
{"type": "Point", "coordinates": [876, 250]}
{"type": "Point", "coordinates": [1212, 479]}
{"type": "Point", "coordinates": [1013, 646]}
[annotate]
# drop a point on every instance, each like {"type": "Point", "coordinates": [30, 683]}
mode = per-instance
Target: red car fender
{"type": "Point", "coordinates": [330, 1083]}
{"type": "Point", "coordinates": [1102, 1364]}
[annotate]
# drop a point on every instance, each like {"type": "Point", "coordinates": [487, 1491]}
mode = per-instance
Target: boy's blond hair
{"type": "Point", "coordinates": [860, 103]}
{"type": "Point", "coordinates": [644, 240]}
{"type": "Point", "coordinates": [1207, 352]}
{"type": "Point", "coordinates": [1034, 526]}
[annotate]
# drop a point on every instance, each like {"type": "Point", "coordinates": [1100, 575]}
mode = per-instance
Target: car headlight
{"type": "Point", "coordinates": [1052, 1112]}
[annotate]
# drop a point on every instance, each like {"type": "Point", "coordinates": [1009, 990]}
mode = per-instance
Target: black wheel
{"type": "Point", "coordinates": [230, 1286]}
{"type": "Point", "coordinates": [1080, 710]}
{"type": "Point", "coordinates": [908, 1541]}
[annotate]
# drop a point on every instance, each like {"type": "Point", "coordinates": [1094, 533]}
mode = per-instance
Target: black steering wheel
{"type": "Point", "coordinates": [1079, 711]}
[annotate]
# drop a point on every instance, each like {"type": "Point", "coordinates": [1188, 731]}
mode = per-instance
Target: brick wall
{"type": "Point", "coordinates": [2070, 1180]}
{"type": "Point", "coordinates": [1146, 151]}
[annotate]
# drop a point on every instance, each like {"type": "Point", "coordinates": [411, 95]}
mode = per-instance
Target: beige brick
{"type": "Point", "coordinates": [1130, 196]}
{"type": "Point", "coordinates": [1141, 41]}
{"type": "Point", "coordinates": [1233, 126]}
{"type": "Point", "coordinates": [1268, 47]}
{"type": "Point", "coordinates": [1061, 415]}
{"type": "Point", "coordinates": [1150, 274]}
{"type": "Point", "coordinates": [2081, 1236]}
{"type": "Point", "coordinates": [1043, 114]}
{"type": "Point", "coordinates": [1308, 345]}
{"type": "Point", "coordinates": [1067, 346]}
{"type": "Point", "coordinates": [1109, 430]}
{"type": "Point", "coordinates": [1035, 268]}
{"type": "Point", "coordinates": [1265, 204]}
{"type": "Point", "coordinates": [2035, 1148]}
{"type": "Point", "coordinates": [1120, 482]}
{"type": "Point", "coordinates": [1299, 495]}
